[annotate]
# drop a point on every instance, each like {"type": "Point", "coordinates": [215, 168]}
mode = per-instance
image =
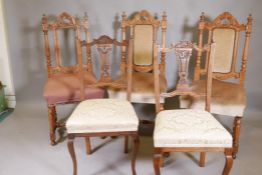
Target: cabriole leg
{"type": "Point", "coordinates": [135, 151]}
{"type": "Point", "coordinates": [229, 161]}
{"type": "Point", "coordinates": [70, 145]}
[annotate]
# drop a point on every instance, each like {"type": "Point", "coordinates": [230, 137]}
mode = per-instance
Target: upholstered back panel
{"type": "Point", "coordinates": [143, 45]}
{"type": "Point", "coordinates": [225, 40]}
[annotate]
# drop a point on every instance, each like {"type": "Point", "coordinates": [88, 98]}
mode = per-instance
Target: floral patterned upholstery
{"type": "Point", "coordinates": [102, 115]}
{"type": "Point", "coordinates": [189, 128]}
{"type": "Point", "coordinates": [227, 98]}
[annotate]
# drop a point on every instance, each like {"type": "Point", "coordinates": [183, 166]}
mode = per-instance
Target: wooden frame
{"type": "Point", "coordinates": [183, 52]}
{"type": "Point", "coordinates": [227, 21]}
{"type": "Point", "coordinates": [62, 21]}
{"type": "Point", "coordinates": [104, 46]}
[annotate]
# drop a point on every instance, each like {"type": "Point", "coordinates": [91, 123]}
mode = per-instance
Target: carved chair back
{"type": "Point", "coordinates": [64, 21]}
{"type": "Point", "coordinates": [104, 46]}
{"type": "Point", "coordinates": [225, 31]}
{"type": "Point", "coordinates": [143, 30]}
{"type": "Point", "coordinates": [183, 50]}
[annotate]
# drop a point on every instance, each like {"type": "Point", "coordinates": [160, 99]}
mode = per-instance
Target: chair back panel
{"type": "Point", "coordinates": [71, 27]}
{"type": "Point", "coordinates": [104, 46]}
{"type": "Point", "coordinates": [143, 30]}
{"type": "Point", "coordinates": [225, 42]}
{"type": "Point", "coordinates": [183, 50]}
{"type": "Point", "coordinates": [143, 45]}
{"type": "Point", "coordinates": [225, 31]}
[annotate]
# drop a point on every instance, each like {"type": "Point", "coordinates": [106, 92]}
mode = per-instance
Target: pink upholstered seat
{"type": "Point", "coordinates": [65, 88]}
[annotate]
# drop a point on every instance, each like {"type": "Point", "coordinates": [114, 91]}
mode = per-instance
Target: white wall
{"type": "Point", "coordinates": [5, 66]}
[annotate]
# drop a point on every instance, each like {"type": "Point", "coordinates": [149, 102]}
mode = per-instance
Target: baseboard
{"type": "Point", "coordinates": [11, 101]}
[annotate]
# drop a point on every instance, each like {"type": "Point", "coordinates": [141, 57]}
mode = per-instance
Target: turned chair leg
{"type": "Point", "coordinates": [126, 145]}
{"type": "Point", "coordinates": [157, 163]}
{"type": "Point", "coordinates": [88, 146]}
{"type": "Point", "coordinates": [229, 161]}
{"type": "Point", "coordinates": [236, 134]}
{"type": "Point", "coordinates": [202, 159]}
{"type": "Point", "coordinates": [52, 123]}
{"type": "Point", "coordinates": [70, 145]}
{"type": "Point", "coordinates": [135, 151]}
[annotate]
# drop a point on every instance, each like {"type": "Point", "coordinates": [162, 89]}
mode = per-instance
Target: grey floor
{"type": "Point", "coordinates": [25, 149]}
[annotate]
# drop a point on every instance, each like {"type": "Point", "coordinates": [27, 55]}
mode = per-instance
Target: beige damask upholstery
{"type": "Point", "coordinates": [143, 88]}
{"type": "Point", "coordinates": [227, 98]}
{"type": "Point", "coordinates": [143, 45]}
{"type": "Point", "coordinates": [189, 128]}
{"type": "Point", "coordinates": [102, 115]}
{"type": "Point", "coordinates": [224, 39]}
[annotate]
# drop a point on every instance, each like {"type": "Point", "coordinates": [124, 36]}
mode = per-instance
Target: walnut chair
{"type": "Point", "coordinates": [142, 29]}
{"type": "Point", "coordinates": [62, 85]}
{"type": "Point", "coordinates": [189, 130]}
{"type": "Point", "coordinates": [228, 98]}
{"type": "Point", "coordinates": [104, 117]}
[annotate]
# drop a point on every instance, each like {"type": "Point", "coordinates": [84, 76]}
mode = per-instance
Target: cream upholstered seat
{"type": "Point", "coordinates": [142, 89]}
{"type": "Point", "coordinates": [102, 115]}
{"type": "Point", "coordinates": [189, 128]}
{"type": "Point", "coordinates": [227, 98]}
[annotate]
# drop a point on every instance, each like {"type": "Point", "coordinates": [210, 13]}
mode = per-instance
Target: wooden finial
{"type": "Point", "coordinates": [202, 17]}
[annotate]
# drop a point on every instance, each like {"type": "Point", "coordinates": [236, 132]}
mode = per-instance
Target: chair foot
{"type": "Point", "coordinates": [88, 146]}
{"type": "Point", "coordinates": [157, 163]}
{"type": "Point", "coordinates": [229, 161]}
{"type": "Point", "coordinates": [70, 145]}
{"type": "Point", "coordinates": [202, 159]}
{"type": "Point", "coordinates": [126, 144]}
{"type": "Point", "coordinates": [135, 151]}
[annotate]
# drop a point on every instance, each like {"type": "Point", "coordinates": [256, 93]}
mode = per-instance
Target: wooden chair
{"type": "Point", "coordinates": [189, 130]}
{"type": "Point", "coordinates": [142, 29]}
{"type": "Point", "coordinates": [104, 117]}
{"type": "Point", "coordinates": [62, 85]}
{"type": "Point", "coordinates": [228, 98]}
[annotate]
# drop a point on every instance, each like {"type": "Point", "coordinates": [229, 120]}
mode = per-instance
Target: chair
{"type": "Point", "coordinates": [104, 117]}
{"type": "Point", "coordinates": [62, 85]}
{"type": "Point", "coordinates": [189, 130]}
{"type": "Point", "coordinates": [228, 98]}
{"type": "Point", "coordinates": [142, 28]}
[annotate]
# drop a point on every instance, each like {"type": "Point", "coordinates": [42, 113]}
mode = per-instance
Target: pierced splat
{"type": "Point", "coordinates": [104, 51]}
{"type": "Point", "coordinates": [183, 51]}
